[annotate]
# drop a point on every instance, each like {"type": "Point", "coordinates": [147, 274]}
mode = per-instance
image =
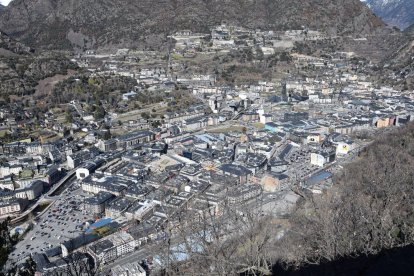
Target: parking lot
{"type": "Point", "coordinates": [300, 166]}
{"type": "Point", "coordinates": [65, 219]}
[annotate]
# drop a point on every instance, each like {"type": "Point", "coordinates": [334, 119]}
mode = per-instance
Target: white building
{"type": "Point", "coordinates": [129, 269]}
{"type": "Point", "coordinates": [343, 147]}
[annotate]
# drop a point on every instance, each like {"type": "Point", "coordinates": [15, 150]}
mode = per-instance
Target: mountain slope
{"type": "Point", "coordinates": [1, 7]}
{"type": "Point", "coordinates": [21, 68]}
{"type": "Point", "coordinates": [398, 13]}
{"type": "Point", "coordinates": [90, 23]}
{"type": "Point", "coordinates": [410, 30]}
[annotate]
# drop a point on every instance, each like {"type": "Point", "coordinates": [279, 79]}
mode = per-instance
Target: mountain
{"type": "Point", "coordinates": [11, 47]}
{"type": "Point", "coordinates": [21, 68]}
{"type": "Point", "coordinates": [398, 13]}
{"type": "Point", "coordinates": [1, 7]}
{"type": "Point", "coordinates": [145, 23]}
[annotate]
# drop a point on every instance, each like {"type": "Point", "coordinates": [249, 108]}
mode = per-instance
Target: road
{"type": "Point", "coordinates": [135, 256]}
{"type": "Point", "coordinates": [68, 176]}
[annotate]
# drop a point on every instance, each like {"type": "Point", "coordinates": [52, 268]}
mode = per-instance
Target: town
{"type": "Point", "coordinates": [226, 119]}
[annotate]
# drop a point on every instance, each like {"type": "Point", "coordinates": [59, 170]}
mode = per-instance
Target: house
{"type": "Point", "coordinates": [129, 95]}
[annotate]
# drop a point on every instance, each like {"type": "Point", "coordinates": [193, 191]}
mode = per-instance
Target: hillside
{"type": "Point", "coordinates": [11, 46]}
{"type": "Point", "coordinates": [398, 13]}
{"type": "Point", "coordinates": [366, 216]}
{"type": "Point", "coordinates": [379, 216]}
{"type": "Point", "coordinates": [21, 68]}
{"type": "Point", "coordinates": [91, 24]}
{"type": "Point", "coordinates": [410, 30]}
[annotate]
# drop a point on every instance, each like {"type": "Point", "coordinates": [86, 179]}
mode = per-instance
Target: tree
{"type": "Point", "coordinates": [368, 210]}
{"type": "Point", "coordinates": [69, 117]}
{"type": "Point", "coordinates": [99, 112]}
{"type": "Point", "coordinates": [77, 264]}
{"type": "Point", "coordinates": [6, 241]}
{"type": "Point", "coordinates": [225, 240]}
{"type": "Point", "coordinates": [145, 115]}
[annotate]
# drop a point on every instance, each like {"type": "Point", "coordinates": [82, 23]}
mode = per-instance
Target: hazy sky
{"type": "Point", "coordinates": [5, 2]}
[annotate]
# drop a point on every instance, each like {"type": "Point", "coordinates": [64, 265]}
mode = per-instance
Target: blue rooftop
{"type": "Point", "coordinates": [318, 177]}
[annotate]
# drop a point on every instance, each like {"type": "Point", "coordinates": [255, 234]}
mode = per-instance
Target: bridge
{"type": "Point", "coordinates": [47, 196]}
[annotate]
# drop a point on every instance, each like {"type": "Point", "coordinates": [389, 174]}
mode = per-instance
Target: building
{"type": "Point", "coordinates": [255, 162]}
{"type": "Point", "coordinates": [31, 192]}
{"type": "Point", "coordinates": [98, 202]}
{"type": "Point", "coordinates": [112, 247]}
{"type": "Point", "coordinates": [129, 269]}
{"type": "Point", "coordinates": [241, 173]}
{"type": "Point", "coordinates": [108, 145]}
{"type": "Point", "coordinates": [314, 138]}
{"type": "Point", "coordinates": [295, 116]}
{"type": "Point", "coordinates": [243, 193]}
{"type": "Point", "coordinates": [78, 158]}
{"type": "Point", "coordinates": [134, 138]}
{"type": "Point", "coordinates": [277, 165]}
{"type": "Point", "coordinates": [103, 183]}
{"type": "Point", "coordinates": [343, 148]}
{"type": "Point", "coordinates": [273, 182]}
{"type": "Point", "coordinates": [129, 95]}
{"type": "Point", "coordinates": [86, 170]}
{"type": "Point", "coordinates": [272, 127]}
{"type": "Point", "coordinates": [141, 210]}
{"type": "Point", "coordinates": [195, 123]}
{"type": "Point", "coordinates": [54, 174]}
{"type": "Point", "coordinates": [138, 191]}
{"type": "Point", "coordinates": [117, 207]}
{"type": "Point", "coordinates": [322, 158]}
{"type": "Point", "coordinates": [12, 206]}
